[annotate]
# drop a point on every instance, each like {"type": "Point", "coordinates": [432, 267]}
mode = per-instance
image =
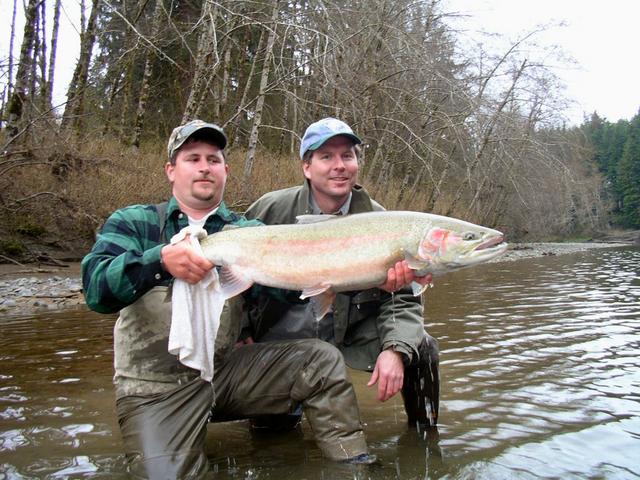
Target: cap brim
{"type": "Point", "coordinates": [321, 142]}
{"type": "Point", "coordinates": [211, 133]}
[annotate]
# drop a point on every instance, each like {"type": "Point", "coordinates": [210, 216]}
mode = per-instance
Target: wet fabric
{"type": "Point", "coordinates": [195, 313]}
{"type": "Point", "coordinates": [142, 362]}
{"type": "Point", "coordinates": [420, 392]}
{"type": "Point", "coordinates": [421, 385]}
{"type": "Point", "coordinates": [164, 433]}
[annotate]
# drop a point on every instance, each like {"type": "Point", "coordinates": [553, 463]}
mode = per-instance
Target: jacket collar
{"type": "Point", "coordinates": [360, 200]}
{"type": "Point", "coordinates": [173, 210]}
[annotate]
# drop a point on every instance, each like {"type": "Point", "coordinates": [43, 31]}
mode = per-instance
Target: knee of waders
{"type": "Point", "coordinates": [323, 368]}
{"type": "Point", "coordinates": [323, 352]}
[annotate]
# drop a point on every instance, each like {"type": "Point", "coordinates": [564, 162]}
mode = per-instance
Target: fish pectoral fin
{"type": "Point", "coordinates": [321, 304]}
{"type": "Point", "coordinates": [421, 267]}
{"type": "Point", "coordinates": [314, 290]}
{"type": "Point", "coordinates": [321, 299]}
{"type": "Point", "coordinates": [418, 289]}
{"type": "Point", "coordinates": [417, 264]}
{"type": "Point", "coordinates": [232, 282]}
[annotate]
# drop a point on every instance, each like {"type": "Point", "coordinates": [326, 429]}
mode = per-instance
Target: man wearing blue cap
{"type": "Point", "coordinates": [374, 330]}
{"type": "Point", "coordinates": [164, 406]}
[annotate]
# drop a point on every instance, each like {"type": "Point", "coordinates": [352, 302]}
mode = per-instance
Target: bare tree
{"type": "Point", "coordinates": [145, 87]}
{"type": "Point", "coordinates": [205, 68]}
{"type": "Point", "coordinates": [52, 54]}
{"type": "Point", "coordinates": [264, 77]}
{"type": "Point", "coordinates": [25, 64]}
{"type": "Point", "coordinates": [76, 91]}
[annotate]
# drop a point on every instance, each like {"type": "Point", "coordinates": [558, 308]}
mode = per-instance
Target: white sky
{"type": "Point", "coordinates": [599, 35]}
{"type": "Point", "coordinates": [68, 41]}
{"type": "Point", "coordinates": [602, 37]}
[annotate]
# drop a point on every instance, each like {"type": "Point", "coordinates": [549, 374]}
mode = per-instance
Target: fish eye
{"type": "Point", "coordinates": [469, 236]}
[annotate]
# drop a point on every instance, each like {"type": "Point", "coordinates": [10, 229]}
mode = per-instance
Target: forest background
{"type": "Point", "coordinates": [459, 131]}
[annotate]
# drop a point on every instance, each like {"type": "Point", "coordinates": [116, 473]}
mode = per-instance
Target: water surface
{"type": "Point", "coordinates": [540, 363]}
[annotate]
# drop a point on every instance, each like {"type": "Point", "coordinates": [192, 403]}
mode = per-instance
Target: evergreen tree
{"type": "Point", "coordinates": [629, 177]}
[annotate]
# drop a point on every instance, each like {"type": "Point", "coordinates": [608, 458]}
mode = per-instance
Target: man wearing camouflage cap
{"type": "Point", "coordinates": [163, 406]}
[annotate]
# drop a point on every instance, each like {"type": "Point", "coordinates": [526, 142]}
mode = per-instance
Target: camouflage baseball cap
{"type": "Point", "coordinates": [182, 133]}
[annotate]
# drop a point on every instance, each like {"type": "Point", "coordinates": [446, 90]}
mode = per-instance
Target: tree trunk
{"type": "Point", "coordinates": [52, 53]}
{"type": "Point", "coordinates": [76, 91]}
{"type": "Point", "coordinates": [257, 118]}
{"type": "Point", "coordinates": [207, 48]}
{"type": "Point", "coordinates": [11, 42]}
{"type": "Point", "coordinates": [42, 60]}
{"type": "Point", "coordinates": [146, 77]}
{"type": "Point", "coordinates": [33, 78]}
{"type": "Point", "coordinates": [247, 87]}
{"type": "Point", "coordinates": [18, 96]}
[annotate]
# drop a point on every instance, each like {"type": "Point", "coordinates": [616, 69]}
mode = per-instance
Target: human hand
{"type": "Point", "coordinates": [246, 341]}
{"type": "Point", "coordinates": [400, 275]}
{"type": "Point", "coordinates": [183, 262]}
{"type": "Point", "coordinates": [388, 374]}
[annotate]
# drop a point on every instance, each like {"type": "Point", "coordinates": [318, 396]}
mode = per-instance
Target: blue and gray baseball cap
{"type": "Point", "coordinates": [319, 132]}
{"type": "Point", "coordinates": [182, 133]}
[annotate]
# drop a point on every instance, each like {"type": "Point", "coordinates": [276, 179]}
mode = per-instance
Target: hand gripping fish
{"type": "Point", "coordinates": [323, 255]}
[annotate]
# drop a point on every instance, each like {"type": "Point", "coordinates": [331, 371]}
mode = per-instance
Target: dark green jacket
{"type": "Point", "coordinates": [365, 322]}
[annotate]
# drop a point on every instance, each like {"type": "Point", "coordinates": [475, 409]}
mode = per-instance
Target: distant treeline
{"type": "Point", "coordinates": [450, 127]}
{"type": "Point", "coordinates": [617, 154]}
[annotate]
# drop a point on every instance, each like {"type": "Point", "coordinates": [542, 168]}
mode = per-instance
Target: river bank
{"type": "Point", "coordinates": [25, 289]}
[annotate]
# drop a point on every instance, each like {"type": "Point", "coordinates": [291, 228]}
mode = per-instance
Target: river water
{"type": "Point", "coordinates": [540, 363]}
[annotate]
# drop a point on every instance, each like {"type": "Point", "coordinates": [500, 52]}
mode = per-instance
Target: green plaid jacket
{"type": "Point", "coordinates": [124, 263]}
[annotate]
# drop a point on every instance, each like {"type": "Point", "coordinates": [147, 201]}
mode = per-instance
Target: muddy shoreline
{"type": "Point", "coordinates": [28, 289]}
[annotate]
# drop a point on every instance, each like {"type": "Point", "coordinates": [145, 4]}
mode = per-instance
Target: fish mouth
{"type": "Point", "coordinates": [492, 242]}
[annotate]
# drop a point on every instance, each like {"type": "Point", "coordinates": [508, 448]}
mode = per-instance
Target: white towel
{"type": "Point", "coordinates": [195, 314]}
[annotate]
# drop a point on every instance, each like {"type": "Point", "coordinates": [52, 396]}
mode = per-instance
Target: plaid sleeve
{"type": "Point", "coordinates": [124, 263]}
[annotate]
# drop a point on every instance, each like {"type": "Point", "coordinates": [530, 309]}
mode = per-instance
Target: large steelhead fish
{"type": "Point", "coordinates": [323, 255]}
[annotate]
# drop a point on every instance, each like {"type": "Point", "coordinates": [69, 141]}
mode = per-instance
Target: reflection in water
{"type": "Point", "coordinates": [540, 379]}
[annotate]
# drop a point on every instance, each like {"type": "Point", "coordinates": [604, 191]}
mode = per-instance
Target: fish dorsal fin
{"type": "Point", "coordinates": [232, 282]}
{"type": "Point", "coordinates": [230, 226]}
{"type": "Point", "coordinates": [305, 219]}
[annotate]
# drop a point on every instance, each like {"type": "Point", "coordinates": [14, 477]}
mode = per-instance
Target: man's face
{"type": "Point", "coordinates": [198, 176]}
{"type": "Point", "coordinates": [333, 169]}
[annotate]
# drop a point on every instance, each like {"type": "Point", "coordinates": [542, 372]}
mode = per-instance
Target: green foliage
{"type": "Point", "coordinates": [30, 229]}
{"type": "Point", "coordinates": [617, 154]}
{"type": "Point", "coordinates": [629, 178]}
{"type": "Point", "coordinates": [12, 247]}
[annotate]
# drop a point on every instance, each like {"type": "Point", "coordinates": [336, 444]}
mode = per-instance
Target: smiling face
{"type": "Point", "coordinates": [198, 177]}
{"type": "Point", "coordinates": [332, 172]}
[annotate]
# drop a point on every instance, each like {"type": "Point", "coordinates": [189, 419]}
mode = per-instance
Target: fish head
{"type": "Point", "coordinates": [458, 244]}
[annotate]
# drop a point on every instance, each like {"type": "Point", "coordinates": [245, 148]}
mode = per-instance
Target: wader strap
{"type": "Point", "coordinates": [161, 208]}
